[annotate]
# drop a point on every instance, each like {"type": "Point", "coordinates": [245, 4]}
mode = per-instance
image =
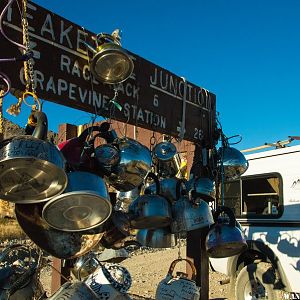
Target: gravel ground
{"type": "Point", "coordinates": [147, 269]}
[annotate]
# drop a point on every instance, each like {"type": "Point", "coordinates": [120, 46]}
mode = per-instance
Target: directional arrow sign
{"type": "Point", "coordinates": [151, 98]}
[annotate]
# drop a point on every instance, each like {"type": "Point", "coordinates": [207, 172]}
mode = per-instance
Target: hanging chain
{"type": "Point", "coordinates": [15, 109]}
{"type": "Point", "coordinates": [28, 64]}
{"type": "Point", "coordinates": [1, 115]}
{"type": "Point", "coordinates": [179, 245]}
{"type": "Point", "coordinates": [39, 290]}
{"type": "Point", "coordinates": [152, 141]}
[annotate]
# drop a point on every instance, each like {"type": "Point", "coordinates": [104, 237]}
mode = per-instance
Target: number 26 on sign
{"type": "Point", "coordinates": [198, 134]}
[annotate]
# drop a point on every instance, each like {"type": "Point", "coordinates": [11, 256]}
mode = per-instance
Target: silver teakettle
{"type": "Point", "coordinates": [132, 167]}
{"type": "Point", "coordinates": [225, 239]}
{"type": "Point", "coordinates": [233, 161]}
{"type": "Point", "coordinates": [190, 214]}
{"type": "Point", "coordinates": [166, 159]}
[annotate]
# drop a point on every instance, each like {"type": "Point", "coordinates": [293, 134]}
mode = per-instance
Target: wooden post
{"type": "Point", "coordinates": [196, 251]}
{"type": "Point", "coordinates": [65, 132]}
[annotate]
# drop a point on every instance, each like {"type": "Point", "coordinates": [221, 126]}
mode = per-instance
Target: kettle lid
{"type": "Point", "coordinates": [164, 151]}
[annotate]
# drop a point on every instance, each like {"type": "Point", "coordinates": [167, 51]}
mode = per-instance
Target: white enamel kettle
{"type": "Point", "coordinates": [178, 287]}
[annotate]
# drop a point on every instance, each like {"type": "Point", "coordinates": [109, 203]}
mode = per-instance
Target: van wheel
{"type": "Point", "coordinates": [256, 281]}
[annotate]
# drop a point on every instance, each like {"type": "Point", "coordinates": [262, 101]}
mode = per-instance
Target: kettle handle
{"type": "Point", "coordinates": [102, 128]}
{"type": "Point", "coordinates": [156, 180]}
{"type": "Point", "coordinates": [173, 264]}
{"type": "Point", "coordinates": [41, 128]}
{"type": "Point", "coordinates": [179, 183]}
{"type": "Point", "coordinates": [228, 211]}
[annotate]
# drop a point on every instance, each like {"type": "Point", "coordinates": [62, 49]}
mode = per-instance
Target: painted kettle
{"type": "Point", "coordinates": [178, 287]}
{"type": "Point", "coordinates": [188, 213]}
{"type": "Point", "coordinates": [225, 239]}
{"type": "Point", "coordinates": [32, 169]}
{"type": "Point", "coordinates": [78, 151]}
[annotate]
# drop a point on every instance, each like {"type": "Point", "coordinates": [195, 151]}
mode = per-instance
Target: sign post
{"type": "Point", "coordinates": [152, 97]}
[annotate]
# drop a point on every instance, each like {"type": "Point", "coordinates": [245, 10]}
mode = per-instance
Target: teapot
{"type": "Point", "coordinates": [110, 281]}
{"type": "Point", "coordinates": [225, 239]}
{"type": "Point", "coordinates": [178, 287]}
{"type": "Point", "coordinates": [130, 166]}
{"type": "Point", "coordinates": [156, 238]}
{"type": "Point", "coordinates": [233, 161]}
{"type": "Point", "coordinates": [32, 169]}
{"type": "Point", "coordinates": [166, 159]}
{"type": "Point", "coordinates": [190, 214]}
{"type": "Point", "coordinates": [74, 291]}
{"type": "Point", "coordinates": [150, 211]}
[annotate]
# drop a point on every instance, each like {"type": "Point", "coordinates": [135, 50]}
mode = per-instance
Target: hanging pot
{"type": "Point", "coordinates": [118, 232]}
{"type": "Point", "coordinates": [167, 188]}
{"type": "Point", "coordinates": [84, 205]}
{"type": "Point", "coordinates": [32, 169]}
{"type": "Point", "coordinates": [110, 63]}
{"type": "Point", "coordinates": [202, 187]}
{"type": "Point", "coordinates": [125, 198]}
{"type": "Point", "coordinates": [74, 291]}
{"type": "Point", "coordinates": [85, 266]}
{"type": "Point", "coordinates": [78, 151]}
{"type": "Point", "coordinates": [188, 214]}
{"type": "Point", "coordinates": [167, 159]}
{"type": "Point", "coordinates": [178, 287]}
{"type": "Point", "coordinates": [134, 164]}
{"type": "Point", "coordinates": [60, 244]}
{"type": "Point", "coordinates": [224, 240]}
{"type": "Point", "coordinates": [234, 162]}
{"type": "Point", "coordinates": [110, 281]}
{"type": "Point", "coordinates": [156, 238]}
{"type": "Point", "coordinates": [150, 211]}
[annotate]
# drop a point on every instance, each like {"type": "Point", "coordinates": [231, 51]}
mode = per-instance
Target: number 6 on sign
{"type": "Point", "coordinates": [198, 134]}
{"type": "Point", "coordinates": [155, 100]}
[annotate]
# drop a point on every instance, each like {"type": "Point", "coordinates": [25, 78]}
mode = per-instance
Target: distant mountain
{"type": "Point", "coordinates": [12, 129]}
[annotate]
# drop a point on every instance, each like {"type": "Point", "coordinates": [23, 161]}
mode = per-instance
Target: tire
{"type": "Point", "coordinates": [256, 281]}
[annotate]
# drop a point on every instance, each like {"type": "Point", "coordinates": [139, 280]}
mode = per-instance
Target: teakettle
{"type": "Point", "coordinates": [157, 238]}
{"type": "Point", "coordinates": [74, 291]}
{"type": "Point", "coordinates": [202, 187]}
{"type": "Point", "coordinates": [32, 169]}
{"type": "Point", "coordinates": [150, 211]}
{"type": "Point", "coordinates": [166, 159]}
{"type": "Point", "coordinates": [223, 239]}
{"type": "Point", "coordinates": [110, 281]}
{"type": "Point", "coordinates": [84, 205]}
{"type": "Point", "coordinates": [234, 162]}
{"type": "Point", "coordinates": [190, 214]}
{"type": "Point", "coordinates": [180, 286]}
{"type": "Point", "coordinates": [167, 188]}
{"type": "Point", "coordinates": [132, 167]}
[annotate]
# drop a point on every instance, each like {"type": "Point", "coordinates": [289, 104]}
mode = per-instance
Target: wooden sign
{"type": "Point", "coordinates": [152, 97]}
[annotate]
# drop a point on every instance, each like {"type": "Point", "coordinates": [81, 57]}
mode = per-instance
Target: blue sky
{"type": "Point", "coordinates": [247, 52]}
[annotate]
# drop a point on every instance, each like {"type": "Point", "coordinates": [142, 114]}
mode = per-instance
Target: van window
{"type": "Point", "coordinates": [255, 196]}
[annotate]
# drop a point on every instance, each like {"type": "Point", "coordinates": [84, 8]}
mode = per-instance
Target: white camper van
{"type": "Point", "coordinates": [266, 202]}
